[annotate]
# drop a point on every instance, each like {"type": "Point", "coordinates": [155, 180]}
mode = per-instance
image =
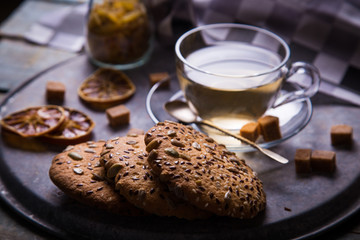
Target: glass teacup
{"type": "Point", "coordinates": [232, 74]}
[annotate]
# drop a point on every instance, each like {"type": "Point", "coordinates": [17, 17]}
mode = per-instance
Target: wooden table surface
{"type": "Point", "coordinates": [20, 60]}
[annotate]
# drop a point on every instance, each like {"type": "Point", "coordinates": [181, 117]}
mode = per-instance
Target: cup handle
{"type": "Point", "coordinates": [303, 92]}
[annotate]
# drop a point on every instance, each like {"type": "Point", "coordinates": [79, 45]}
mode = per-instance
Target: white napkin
{"type": "Point", "coordinates": [62, 29]}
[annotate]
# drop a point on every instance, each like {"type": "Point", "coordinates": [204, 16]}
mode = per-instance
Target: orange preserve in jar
{"type": "Point", "coordinates": [118, 33]}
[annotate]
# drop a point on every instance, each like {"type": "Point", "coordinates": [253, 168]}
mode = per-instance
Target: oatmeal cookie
{"type": "Point", "coordinates": [125, 160]}
{"type": "Point", "coordinates": [203, 172]}
{"type": "Point", "coordinates": [78, 173]}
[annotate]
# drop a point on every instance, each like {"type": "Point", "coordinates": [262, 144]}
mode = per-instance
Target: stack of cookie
{"type": "Point", "coordinates": [172, 170]}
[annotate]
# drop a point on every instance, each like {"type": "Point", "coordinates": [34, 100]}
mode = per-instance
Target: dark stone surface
{"type": "Point", "coordinates": [297, 205]}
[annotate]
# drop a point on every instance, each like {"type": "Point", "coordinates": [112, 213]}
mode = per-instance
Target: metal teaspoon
{"type": "Point", "coordinates": [181, 111]}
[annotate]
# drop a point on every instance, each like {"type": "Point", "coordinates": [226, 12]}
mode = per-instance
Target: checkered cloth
{"type": "Point", "coordinates": [324, 33]}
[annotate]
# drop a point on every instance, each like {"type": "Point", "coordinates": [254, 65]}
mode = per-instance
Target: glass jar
{"type": "Point", "coordinates": [118, 33]}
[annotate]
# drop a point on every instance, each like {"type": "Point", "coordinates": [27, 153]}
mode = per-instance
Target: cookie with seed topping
{"type": "Point", "coordinates": [203, 172]}
{"type": "Point", "coordinates": [78, 173]}
{"type": "Point", "coordinates": [125, 161]}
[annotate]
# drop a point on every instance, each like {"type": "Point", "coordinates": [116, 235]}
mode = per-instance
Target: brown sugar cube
{"type": "Point", "coordinates": [341, 135]}
{"type": "Point", "coordinates": [323, 161]}
{"type": "Point", "coordinates": [55, 91]}
{"type": "Point", "coordinates": [135, 131]}
{"type": "Point", "coordinates": [302, 160]}
{"type": "Point", "coordinates": [157, 77]}
{"type": "Point", "coordinates": [118, 115]}
{"type": "Point", "coordinates": [250, 131]}
{"type": "Point", "coordinates": [269, 128]}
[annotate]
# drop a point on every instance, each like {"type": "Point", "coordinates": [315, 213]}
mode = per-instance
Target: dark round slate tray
{"type": "Point", "coordinates": [298, 206]}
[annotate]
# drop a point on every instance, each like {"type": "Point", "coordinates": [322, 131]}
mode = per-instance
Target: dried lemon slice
{"type": "Point", "coordinates": [106, 88]}
{"type": "Point", "coordinates": [76, 128]}
{"type": "Point", "coordinates": [34, 121]}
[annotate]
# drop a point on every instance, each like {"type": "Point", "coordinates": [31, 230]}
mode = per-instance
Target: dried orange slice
{"type": "Point", "coordinates": [14, 140]}
{"type": "Point", "coordinates": [34, 121]}
{"type": "Point", "coordinates": [106, 88]}
{"type": "Point", "coordinates": [76, 128]}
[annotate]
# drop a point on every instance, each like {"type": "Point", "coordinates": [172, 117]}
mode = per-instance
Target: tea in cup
{"type": "Point", "coordinates": [231, 74]}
